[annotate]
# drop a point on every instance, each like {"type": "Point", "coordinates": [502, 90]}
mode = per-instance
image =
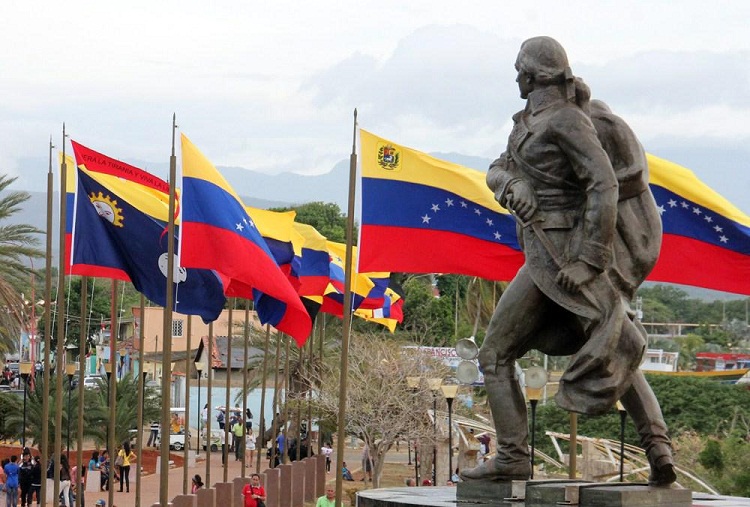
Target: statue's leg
{"type": "Point", "coordinates": [518, 315]}
{"type": "Point", "coordinates": [641, 404]}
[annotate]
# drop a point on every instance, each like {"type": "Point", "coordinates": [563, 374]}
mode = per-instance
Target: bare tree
{"type": "Point", "coordinates": [381, 407]}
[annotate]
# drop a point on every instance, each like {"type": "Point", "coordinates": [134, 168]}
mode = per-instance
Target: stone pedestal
{"type": "Point", "coordinates": [631, 495]}
{"type": "Point", "coordinates": [528, 494]}
{"type": "Point", "coordinates": [272, 479]}
{"type": "Point", "coordinates": [206, 497]}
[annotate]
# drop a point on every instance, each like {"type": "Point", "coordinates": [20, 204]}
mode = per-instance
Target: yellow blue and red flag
{"type": "Point", "coordinates": [276, 228]}
{"type": "Point", "coordinates": [117, 223]}
{"type": "Point", "coordinates": [424, 215]}
{"type": "Point", "coordinates": [218, 234]}
{"type": "Point", "coordinates": [706, 239]}
{"type": "Point", "coordinates": [311, 262]}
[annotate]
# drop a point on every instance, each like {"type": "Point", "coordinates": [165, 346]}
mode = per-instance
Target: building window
{"type": "Point", "coordinates": [177, 327]}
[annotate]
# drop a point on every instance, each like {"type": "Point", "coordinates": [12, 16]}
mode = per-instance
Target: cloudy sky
{"type": "Point", "coordinates": [271, 86]}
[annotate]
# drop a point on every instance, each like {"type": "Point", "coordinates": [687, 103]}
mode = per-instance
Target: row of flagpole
{"type": "Point", "coordinates": [166, 355]}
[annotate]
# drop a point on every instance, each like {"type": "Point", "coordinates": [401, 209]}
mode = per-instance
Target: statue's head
{"type": "Point", "coordinates": [544, 60]}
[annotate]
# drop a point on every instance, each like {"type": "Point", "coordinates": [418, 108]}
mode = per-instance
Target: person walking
{"type": "Point", "coordinates": [65, 480]}
{"type": "Point", "coordinates": [126, 455]}
{"type": "Point", "coordinates": [24, 479]}
{"type": "Point", "coordinates": [250, 447]}
{"type": "Point", "coordinates": [154, 435]}
{"type": "Point", "coordinates": [36, 481]}
{"type": "Point", "coordinates": [11, 481]}
{"type": "Point", "coordinates": [327, 452]}
{"type": "Point", "coordinates": [238, 435]}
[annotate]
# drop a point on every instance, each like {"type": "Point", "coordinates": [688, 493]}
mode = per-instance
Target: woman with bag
{"type": "Point", "coordinates": [255, 495]}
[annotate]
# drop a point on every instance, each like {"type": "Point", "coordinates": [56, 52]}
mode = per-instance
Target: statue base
{"type": "Point", "coordinates": [528, 494]}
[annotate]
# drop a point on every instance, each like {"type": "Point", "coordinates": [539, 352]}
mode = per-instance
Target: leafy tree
{"type": "Point", "coordinates": [427, 319]}
{"type": "Point", "coordinates": [98, 307]}
{"type": "Point", "coordinates": [96, 414]}
{"type": "Point", "coordinates": [689, 345]}
{"type": "Point", "coordinates": [18, 243]}
{"type": "Point", "coordinates": [326, 217]}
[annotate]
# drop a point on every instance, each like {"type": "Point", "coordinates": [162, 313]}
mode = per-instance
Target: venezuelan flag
{"type": "Point", "coordinates": [118, 223]}
{"type": "Point", "coordinates": [706, 240]}
{"type": "Point", "coordinates": [276, 227]}
{"type": "Point", "coordinates": [424, 215]}
{"type": "Point", "coordinates": [311, 260]}
{"type": "Point", "coordinates": [218, 234]}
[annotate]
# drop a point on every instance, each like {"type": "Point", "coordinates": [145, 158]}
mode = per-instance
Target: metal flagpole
{"type": "Point", "coordinates": [141, 399]}
{"type": "Point", "coordinates": [346, 331]}
{"type": "Point", "coordinates": [287, 381]}
{"type": "Point", "coordinates": [209, 350]}
{"type": "Point", "coordinates": [60, 353]}
{"type": "Point", "coordinates": [186, 424]}
{"type": "Point", "coordinates": [310, 360]}
{"type": "Point", "coordinates": [244, 386]}
{"type": "Point", "coordinates": [82, 343]}
{"type": "Point", "coordinates": [166, 380]}
{"type": "Point", "coordinates": [322, 334]}
{"type": "Point", "coordinates": [112, 385]}
{"type": "Point", "coordinates": [275, 420]}
{"type": "Point", "coordinates": [47, 323]}
{"type": "Point", "coordinates": [262, 421]}
{"type": "Point", "coordinates": [227, 413]}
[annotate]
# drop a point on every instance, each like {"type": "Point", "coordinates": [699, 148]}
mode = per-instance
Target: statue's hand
{"type": "Point", "coordinates": [575, 275]}
{"type": "Point", "coordinates": [521, 200]}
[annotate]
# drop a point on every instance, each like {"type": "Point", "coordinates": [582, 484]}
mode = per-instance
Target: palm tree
{"type": "Point", "coordinates": [17, 244]}
{"type": "Point", "coordinates": [95, 417]}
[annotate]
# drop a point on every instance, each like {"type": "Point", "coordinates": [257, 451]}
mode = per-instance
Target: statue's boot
{"type": "Point", "coordinates": [512, 461]}
{"type": "Point", "coordinates": [644, 409]}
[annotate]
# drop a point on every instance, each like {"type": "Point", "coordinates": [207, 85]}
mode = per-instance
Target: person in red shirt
{"type": "Point", "coordinates": [254, 492]}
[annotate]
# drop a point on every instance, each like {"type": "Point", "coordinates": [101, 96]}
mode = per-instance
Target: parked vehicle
{"type": "Point", "coordinates": [217, 439]}
{"type": "Point", "coordinates": [177, 430]}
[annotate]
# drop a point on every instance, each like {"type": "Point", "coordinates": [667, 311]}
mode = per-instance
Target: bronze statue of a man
{"type": "Point", "coordinates": [575, 177]}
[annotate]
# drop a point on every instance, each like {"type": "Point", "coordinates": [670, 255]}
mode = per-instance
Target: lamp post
{"type": "Point", "coordinates": [199, 369]}
{"type": "Point", "coordinates": [623, 419]}
{"type": "Point", "coordinates": [413, 384]}
{"type": "Point", "coordinates": [24, 369]}
{"type": "Point", "coordinates": [536, 379]}
{"type": "Point", "coordinates": [434, 385]}
{"type": "Point", "coordinates": [450, 391]}
{"type": "Point", "coordinates": [70, 370]}
{"type": "Point", "coordinates": [108, 372]}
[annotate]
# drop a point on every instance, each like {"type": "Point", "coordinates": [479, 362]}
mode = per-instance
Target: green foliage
{"type": "Point", "coordinates": [98, 308]}
{"type": "Point", "coordinates": [18, 244]}
{"type": "Point", "coordinates": [711, 456]}
{"type": "Point", "coordinates": [701, 406]}
{"type": "Point", "coordinates": [326, 217]}
{"type": "Point", "coordinates": [95, 416]}
{"type": "Point", "coordinates": [428, 320]}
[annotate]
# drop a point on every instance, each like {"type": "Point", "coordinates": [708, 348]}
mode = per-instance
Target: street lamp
{"type": "Point", "coordinates": [623, 419]}
{"type": "Point", "coordinates": [70, 370]}
{"type": "Point", "coordinates": [24, 369]}
{"type": "Point", "coordinates": [434, 385]}
{"type": "Point", "coordinates": [450, 391]}
{"type": "Point", "coordinates": [413, 384]}
{"type": "Point", "coordinates": [536, 379]}
{"type": "Point", "coordinates": [199, 369]}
